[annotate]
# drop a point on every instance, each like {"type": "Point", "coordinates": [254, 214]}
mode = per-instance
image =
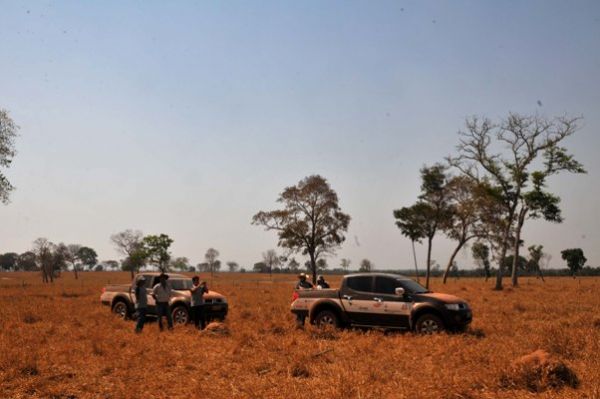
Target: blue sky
{"type": "Point", "coordinates": [187, 118]}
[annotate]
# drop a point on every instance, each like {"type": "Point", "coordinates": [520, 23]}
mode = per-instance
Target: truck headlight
{"type": "Point", "coordinates": [452, 306]}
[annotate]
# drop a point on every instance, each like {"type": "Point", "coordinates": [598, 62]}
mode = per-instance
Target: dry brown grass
{"type": "Point", "coordinates": [58, 341]}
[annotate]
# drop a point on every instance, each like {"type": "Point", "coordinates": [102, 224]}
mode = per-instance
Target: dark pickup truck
{"type": "Point", "coordinates": [382, 300]}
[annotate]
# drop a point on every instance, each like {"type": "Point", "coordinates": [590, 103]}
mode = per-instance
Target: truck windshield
{"type": "Point", "coordinates": [181, 285]}
{"type": "Point", "coordinates": [412, 287]}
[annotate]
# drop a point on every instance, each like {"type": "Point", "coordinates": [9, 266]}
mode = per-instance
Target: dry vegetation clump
{"type": "Point", "coordinates": [217, 329]}
{"type": "Point", "coordinates": [55, 345]}
{"type": "Point", "coordinates": [539, 371]}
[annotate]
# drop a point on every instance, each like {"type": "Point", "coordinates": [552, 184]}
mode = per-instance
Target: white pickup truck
{"type": "Point", "coordinates": [121, 298]}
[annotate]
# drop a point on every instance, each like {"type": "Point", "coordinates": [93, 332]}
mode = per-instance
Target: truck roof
{"type": "Point", "coordinates": [391, 275]}
{"type": "Point", "coordinates": [171, 275]}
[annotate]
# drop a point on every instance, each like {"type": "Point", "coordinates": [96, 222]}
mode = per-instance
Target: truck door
{"type": "Point", "coordinates": [151, 281]}
{"type": "Point", "coordinates": [357, 299]}
{"type": "Point", "coordinates": [395, 310]}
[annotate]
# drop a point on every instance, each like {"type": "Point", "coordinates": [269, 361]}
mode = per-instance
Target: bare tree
{"type": "Point", "coordinates": [129, 243]}
{"type": "Point", "coordinates": [271, 259]}
{"type": "Point", "coordinates": [211, 259]}
{"type": "Point", "coordinates": [345, 264]}
{"type": "Point", "coordinates": [503, 154]}
{"type": "Point", "coordinates": [8, 133]}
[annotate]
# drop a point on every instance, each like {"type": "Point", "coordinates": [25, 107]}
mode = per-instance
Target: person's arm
{"type": "Point", "coordinates": [154, 292]}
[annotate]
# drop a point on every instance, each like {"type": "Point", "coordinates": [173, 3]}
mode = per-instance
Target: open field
{"type": "Point", "coordinates": [58, 341]}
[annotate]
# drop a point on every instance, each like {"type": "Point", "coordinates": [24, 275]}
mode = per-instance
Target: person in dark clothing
{"type": "Point", "coordinates": [321, 283]}
{"type": "Point", "coordinates": [141, 303]}
{"type": "Point", "coordinates": [302, 284]}
{"type": "Point", "coordinates": [197, 301]}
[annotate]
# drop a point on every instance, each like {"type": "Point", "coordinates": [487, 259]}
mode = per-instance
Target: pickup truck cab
{"type": "Point", "coordinates": [121, 298]}
{"type": "Point", "coordinates": [382, 300]}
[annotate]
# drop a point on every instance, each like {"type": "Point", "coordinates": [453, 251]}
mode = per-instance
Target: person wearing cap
{"type": "Point", "coordinates": [161, 293]}
{"type": "Point", "coordinates": [197, 301]}
{"type": "Point", "coordinates": [141, 303]}
{"type": "Point", "coordinates": [321, 283]}
{"type": "Point", "coordinates": [302, 284]}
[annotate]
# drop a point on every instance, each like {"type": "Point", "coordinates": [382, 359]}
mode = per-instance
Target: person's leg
{"type": "Point", "coordinates": [169, 316]}
{"type": "Point", "coordinates": [160, 312]}
{"type": "Point", "coordinates": [141, 320]}
{"type": "Point", "coordinates": [195, 316]}
{"type": "Point", "coordinates": [202, 316]}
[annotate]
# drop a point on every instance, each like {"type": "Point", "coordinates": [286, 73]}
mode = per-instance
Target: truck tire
{"type": "Point", "coordinates": [429, 323]}
{"type": "Point", "coordinates": [120, 308]}
{"type": "Point", "coordinates": [180, 314]}
{"type": "Point", "coordinates": [327, 318]}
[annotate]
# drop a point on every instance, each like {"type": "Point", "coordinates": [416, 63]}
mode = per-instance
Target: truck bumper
{"type": "Point", "coordinates": [458, 320]}
{"type": "Point", "coordinates": [216, 310]}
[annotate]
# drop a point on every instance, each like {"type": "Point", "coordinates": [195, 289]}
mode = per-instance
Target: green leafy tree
{"type": "Point", "coordinates": [536, 254]}
{"type": "Point", "coordinates": [481, 255]}
{"type": "Point", "coordinates": [8, 133]}
{"type": "Point", "coordinates": [311, 221]}
{"type": "Point", "coordinates": [157, 252]}
{"type": "Point", "coordinates": [503, 154]}
{"type": "Point", "coordinates": [134, 261]}
{"type": "Point", "coordinates": [9, 261]}
{"type": "Point", "coordinates": [88, 257]}
{"type": "Point", "coordinates": [431, 213]}
{"type": "Point", "coordinates": [260, 267]}
{"type": "Point", "coordinates": [180, 263]}
{"type": "Point", "coordinates": [575, 259]}
{"type": "Point", "coordinates": [322, 265]}
{"type": "Point", "coordinates": [26, 261]}
{"type": "Point", "coordinates": [111, 264]}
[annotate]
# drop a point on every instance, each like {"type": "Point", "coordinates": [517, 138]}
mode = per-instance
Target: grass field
{"type": "Point", "coordinates": [58, 341]}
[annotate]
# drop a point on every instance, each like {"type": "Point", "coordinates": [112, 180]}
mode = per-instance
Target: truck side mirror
{"type": "Point", "coordinates": [399, 291]}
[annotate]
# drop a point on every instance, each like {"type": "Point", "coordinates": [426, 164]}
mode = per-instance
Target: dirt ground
{"type": "Point", "coordinates": [58, 341]}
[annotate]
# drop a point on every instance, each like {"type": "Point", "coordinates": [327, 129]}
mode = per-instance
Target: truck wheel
{"type": "Point", "coordinates": [180, 315]}
{"type": "Point", "coordinates": [326, 318]}
{"type": "Point", "coordinates": [120, 309]}
{"type": "Point", "coordinates": [429, 324]}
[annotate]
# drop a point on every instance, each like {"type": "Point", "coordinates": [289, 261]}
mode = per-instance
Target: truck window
{"type": "Point", "coordinates": [385, 285]}
{"type": "Point", "coordinates": [181, 285]}
{"type": "Point", "coordinates": [360, 283]}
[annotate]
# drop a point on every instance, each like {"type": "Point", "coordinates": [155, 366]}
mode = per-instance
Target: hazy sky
{"type": "Point", "coordinates": [187, 118]}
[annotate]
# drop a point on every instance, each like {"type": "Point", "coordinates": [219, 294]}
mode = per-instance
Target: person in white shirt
{"type": "Point", "coordinates": [161, 294]}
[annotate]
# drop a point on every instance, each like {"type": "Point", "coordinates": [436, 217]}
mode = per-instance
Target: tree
{"type": "Point", "coordinates": [211, 258]}
{"type": "Point", "coordinates": [504, 153]}
{"type": "Point", "coordinates": [311, 221]}
{"type": "Point", "coordinates": [293, 265]}
{"type": "Point", "coordinates": [536, 254]}
{"type": "Point", "coordinates": [88, 257]}
{"type": "Point", "coordinates": [345, 264]}
{"type": "Point", "coordinates": [134, 261]}
{"type": "Point", "coordinates": [366, 266]}
{"type": "Point", "coordinates": [575, 259]}
{"type": "Point", "coordinates": [111, 264]}
{"type": "Point", "coordinates": [466, 201]}
{"type": "Point", "coordinates": [9, 261]}
{"type": "Point", "coordinates": [481, 255]}
{"type": "Point", "coordinates": [271, 259]}
{"type": "Point", "coordinates": [322, 265]}
{"type": "Point", "coordinates": [128, 243]}
{"type": "Point", "coordinates": [233, 266]}
{"type": "Point", "coordinates": [8, 133]}
{"type": "Point", "coordinates": [260, 267]}
{"type": "Point", "coordinates": [156, 248]}
{"type": "Point", "coordinates": [26, 261]}
{"type": "Point", "coordinates": [72, 257]}
{"type": "Point", "coordinates": [50, 257]}
{"type": "Point", "coordinates": [181, 263]}
{"type": "Point", "coordinates": [411, 224]}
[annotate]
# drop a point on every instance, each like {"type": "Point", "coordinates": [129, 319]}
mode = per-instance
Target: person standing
{"type": "Point", "coordinates": [162, 293]}
{"type": "Point", "coordinates": [302, 284]}
{"type": "Point", "coordinates": [141, 303]}
{"type": "Point", "coordinates": [198, 290]}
